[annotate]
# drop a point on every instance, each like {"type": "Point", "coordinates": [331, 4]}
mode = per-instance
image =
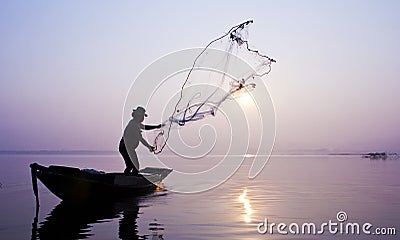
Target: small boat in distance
{"type": "Point", "coordinates": [376, 155]}
{"type": "Point", "coordinates": [77, 185]}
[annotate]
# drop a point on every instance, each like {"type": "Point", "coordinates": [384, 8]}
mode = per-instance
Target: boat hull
{"type": "Point", "coordinates": [73, 184]}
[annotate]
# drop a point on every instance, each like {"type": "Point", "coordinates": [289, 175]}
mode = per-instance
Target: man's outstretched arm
{"type": "Point", "coordinates": [150, 127]}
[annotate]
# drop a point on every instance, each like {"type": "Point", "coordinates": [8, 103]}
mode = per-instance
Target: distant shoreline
{"type": "Point", "coordinates": [111, 152]}
{"type": "Point", "coordinates": [57, 152]}
{"type": "Point", "coordinates": [104, 152]}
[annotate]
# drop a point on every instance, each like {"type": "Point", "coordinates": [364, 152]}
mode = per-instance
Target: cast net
{"type": "Point", "coordinates": [204, 90]}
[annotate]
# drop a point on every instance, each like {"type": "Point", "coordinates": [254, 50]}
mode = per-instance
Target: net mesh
{"type": "Point", "coordinates": [203, 90]}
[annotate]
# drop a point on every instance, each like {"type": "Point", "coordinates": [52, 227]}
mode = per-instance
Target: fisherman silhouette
{"type": "Point", "coordinates": [131, 138]}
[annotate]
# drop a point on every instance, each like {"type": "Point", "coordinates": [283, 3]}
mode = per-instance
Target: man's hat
{"type": "Point", "coordinates": [139, 110]}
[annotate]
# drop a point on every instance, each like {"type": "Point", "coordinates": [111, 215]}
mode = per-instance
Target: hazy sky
{"type": "Point", "coordinates": [66, 67]}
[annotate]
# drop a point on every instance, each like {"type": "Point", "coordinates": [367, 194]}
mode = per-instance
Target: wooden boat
{"type": "Point", "coordinates": [74, 184]}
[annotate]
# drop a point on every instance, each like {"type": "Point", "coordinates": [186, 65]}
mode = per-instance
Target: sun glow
{"type": "Point", "coordinates": [244, 99]}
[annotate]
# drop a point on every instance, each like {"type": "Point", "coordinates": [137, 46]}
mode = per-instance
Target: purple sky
{"type": "Point", "coordinates": [66, 67]}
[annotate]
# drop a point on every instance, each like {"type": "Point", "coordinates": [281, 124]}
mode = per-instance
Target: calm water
{"type": "Point", "coordinates": [291, 189]}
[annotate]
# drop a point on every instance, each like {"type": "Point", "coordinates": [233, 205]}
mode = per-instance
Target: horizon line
{"type": "Point", "coordinates": [112, 152]}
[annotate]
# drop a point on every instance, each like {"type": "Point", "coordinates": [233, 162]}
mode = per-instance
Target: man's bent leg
{"type": "Point", "coordinates": [135, 162]}
{"type": "Point", "coordinates": [128, 163]}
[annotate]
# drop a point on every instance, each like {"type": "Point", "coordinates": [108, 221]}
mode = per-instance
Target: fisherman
{"type": "Point", "coordinates": [131, 138]}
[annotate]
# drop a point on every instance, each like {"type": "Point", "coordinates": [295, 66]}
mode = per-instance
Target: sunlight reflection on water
{"type": "Point", "coordinates": [246, 205]}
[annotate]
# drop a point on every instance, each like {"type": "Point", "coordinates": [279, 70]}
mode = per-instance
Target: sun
{"type": "Point", "coordinates": [245, 99]}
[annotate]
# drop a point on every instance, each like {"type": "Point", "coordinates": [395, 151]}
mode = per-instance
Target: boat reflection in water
{"type": "Point", "coordinates": [72, 221]}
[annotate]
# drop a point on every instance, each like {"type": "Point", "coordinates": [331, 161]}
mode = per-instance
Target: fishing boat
{"type": "Point", "coordinates": [376, 155]}
{"type": "Point", "coordinates": [74, 184]}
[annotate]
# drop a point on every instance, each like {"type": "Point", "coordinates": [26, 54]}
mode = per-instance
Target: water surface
{"type": "Point", "coordinates": [290, 189]}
